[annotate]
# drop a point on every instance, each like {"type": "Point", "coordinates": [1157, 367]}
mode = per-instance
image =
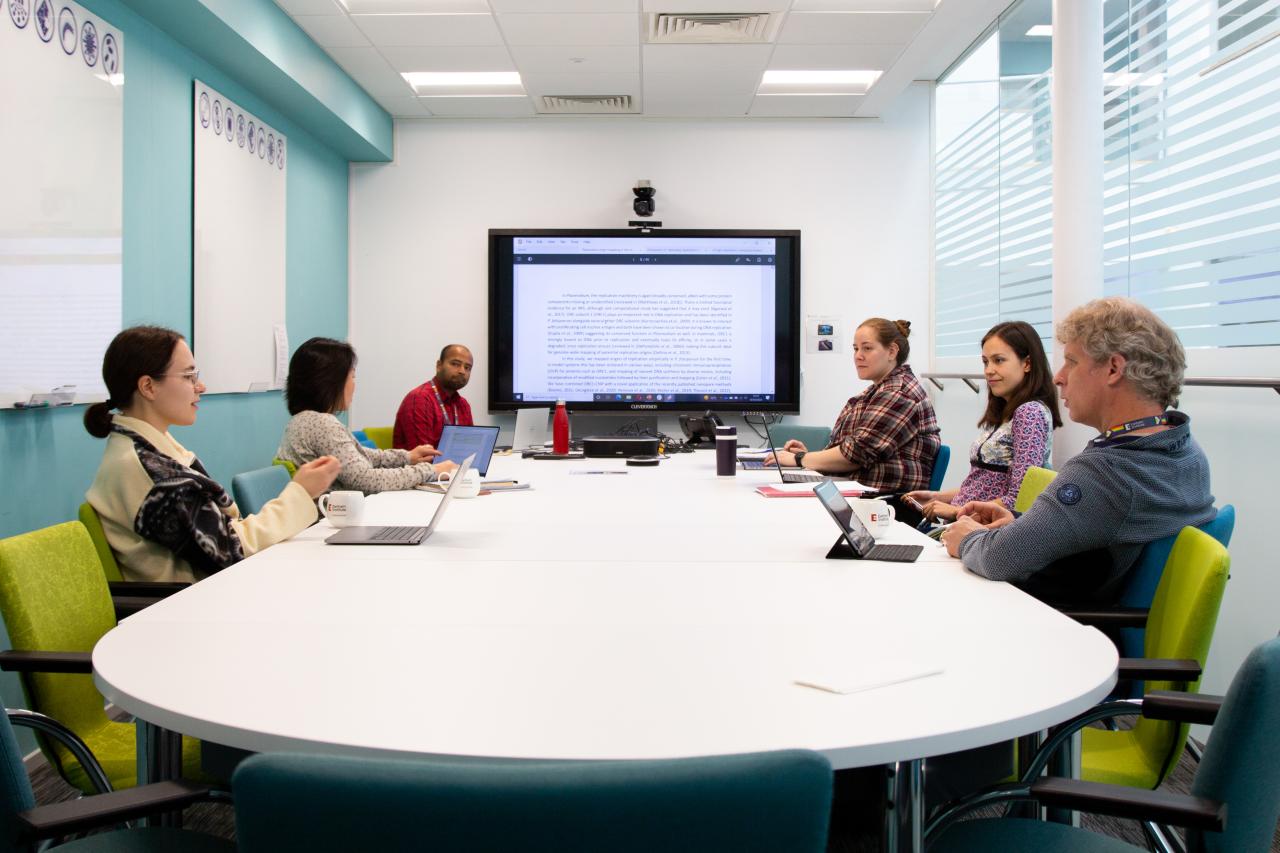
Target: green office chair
{"type": "Point", "coordinates": [813, 437]}
{"type": "Point", "coordinates": [253, 489]}
{"type": "Point", "coordinates": [286, 465]}
{"type": "Point", "coordinates": [23, 825]}
{"type": "Point", "coordinates": [1033, 483]}
{"type": "Point", "coordinates": [767, 801]}
{"type": "Point", "coordinates": [56, 605]}
{"type": "Point", "coordinates": [1234, 801]}
{"type": "Point", "coordinates": [89, 518]}
{"type": "Point", "coordinates": [381, 436]}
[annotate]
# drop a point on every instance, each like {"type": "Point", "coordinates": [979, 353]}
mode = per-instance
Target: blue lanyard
{"type": "Point", "coordinates": [440, 400]}
{"type": "Point", "coordinates": [1130, 426]}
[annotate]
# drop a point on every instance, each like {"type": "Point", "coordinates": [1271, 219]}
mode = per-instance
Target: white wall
{"type": "Point", "coordinates": [859, 191]}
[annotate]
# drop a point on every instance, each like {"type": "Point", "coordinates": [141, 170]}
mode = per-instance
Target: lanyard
{"type": "Point", "coordinates": [1130, 426]}
{"type": "Point", "coordinates": [443, 411]}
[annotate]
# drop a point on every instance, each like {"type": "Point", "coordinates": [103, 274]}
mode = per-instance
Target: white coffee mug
{"type": "Point", "coordinates": [343, 509]}
{"type": "Point", "coordinates": [468, 488]}
{"type": "Point", "coordinates": [876, 516]}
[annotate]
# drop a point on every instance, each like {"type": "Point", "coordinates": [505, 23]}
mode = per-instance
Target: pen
{"type": "Point", "coordinates": [598, 472]}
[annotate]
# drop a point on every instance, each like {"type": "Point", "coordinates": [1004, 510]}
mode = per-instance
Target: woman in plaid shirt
{"type": "Point", "coordinates": [887, 436]}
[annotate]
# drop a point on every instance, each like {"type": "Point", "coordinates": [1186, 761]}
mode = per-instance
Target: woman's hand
{"type": "Point", "coordinates": [936, 510]}
{"type": "Point", "coordinates": [445, 467]}
{"type": "Point", "coordinates": [422, 453]}
{"type": "Point", "coordinates": [318, 475]}
{"type": "Point", "coordinates": [795, 445]}
{"type": "Point", "coordinates": [782, 457]}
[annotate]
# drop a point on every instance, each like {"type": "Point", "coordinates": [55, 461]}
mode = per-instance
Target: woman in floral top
{"type": "Point", "coordinates": [1017, 427]}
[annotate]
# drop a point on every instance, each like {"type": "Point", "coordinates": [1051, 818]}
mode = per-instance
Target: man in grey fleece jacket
{"type": "Point", "coordinates": [1143, 478]}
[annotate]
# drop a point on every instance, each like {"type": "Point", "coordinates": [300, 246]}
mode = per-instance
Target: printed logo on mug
{"type": "Point", "coordinates": [343, 509]}
{"type": "Point", "coordinates": [876, 515]}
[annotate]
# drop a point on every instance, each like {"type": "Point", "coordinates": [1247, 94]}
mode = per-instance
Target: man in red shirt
{"type": "Point", "coordinates": [428, 408]}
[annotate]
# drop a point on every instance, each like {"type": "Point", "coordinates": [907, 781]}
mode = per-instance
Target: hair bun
{"type": "Point", "coordinates": [904, 327]}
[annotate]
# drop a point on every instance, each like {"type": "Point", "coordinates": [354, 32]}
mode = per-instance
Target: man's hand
{"type": "Point", "coordinates": [795, 445]}
{"type": "Point", "coordinates": [955, 534]}
{"type": "Point", "coordinates": [422, 453]}
{"type": "Point", "coordinates": [318, 475]}
{"type": "Point", "coordinates": [445, 467]}
{"type": "Point", "coordinates": [782, 457]}
{"type": "Point", "coordinates": [990, 514]}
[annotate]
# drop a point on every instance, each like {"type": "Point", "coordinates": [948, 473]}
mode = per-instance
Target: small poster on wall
{"type": "Point", "coordinates": [824, 334]}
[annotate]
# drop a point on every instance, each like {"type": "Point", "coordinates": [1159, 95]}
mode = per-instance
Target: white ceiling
{"type": "Point", "coordinates": [600, 48]}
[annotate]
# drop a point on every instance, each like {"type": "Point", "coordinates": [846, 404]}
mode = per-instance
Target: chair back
{"type": "Point", "coordinates": [363, 440]}
{"type": "Point", "coordinates": [813, 437]}
{"type": "Point", "coordinates": [252, 489]}
{"type": "Point", "coordinates": [939, 467]}
{"type": "Point", "coordinates": [766, 801]}
{"type": "Point", "coordinates": [89, 518]}
{"type": "Point", "coordinates": [1035, 481]}
{"type": "Point", "coordinates": [1241, 763]}
{"type": "Point", "coordinates": [54, 597]}
{"type": "Point", "coordinates": [286, 465]}
{"type": "Point", "coordinates": [1180, 626]}
{"type": "Point", "coordinates": [380, 436]}
{"type": "Point", "coordinates": [1142, 580]}
{"type": "Point", "coordinates": [15, 789]}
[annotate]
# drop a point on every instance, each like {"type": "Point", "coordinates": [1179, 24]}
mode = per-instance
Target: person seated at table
{"type": "Point", "coordinates": [886, 437]}
{"type": "Point", "coordinates": [164, 517]}
{"type": "Point", "coordinates": [321, 383]}
{"type": "Point", "coordinates": [1143, 478]}
{"type": "Point", "coordinates": [1017, 427]}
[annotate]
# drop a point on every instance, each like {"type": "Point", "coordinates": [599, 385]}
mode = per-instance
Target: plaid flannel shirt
{"type": "Point", "coordinates": [890, 434]}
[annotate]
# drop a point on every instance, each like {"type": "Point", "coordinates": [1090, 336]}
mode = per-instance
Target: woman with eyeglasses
{"type": "Point", "coordinates": [165, 518]}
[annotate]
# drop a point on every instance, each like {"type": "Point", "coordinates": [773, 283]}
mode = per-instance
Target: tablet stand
{"type": "Point", "coordinates": [841, 551]}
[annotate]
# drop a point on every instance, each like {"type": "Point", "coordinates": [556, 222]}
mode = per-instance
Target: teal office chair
{"type": "Point", "coordinates": [364, 440]}
{"type": "Point", "coordinates": [939, 468]}
{"type": "Point", "coordinates": [813, 437]}
{"type": "Point", "coordinates": [1234, 801]}
{"type": "Point", "coordinates": [23, 825]}
{"type": "Point", "coordinates": [253, 489]}
{"type": "Point", "coordinates": [767, 802]}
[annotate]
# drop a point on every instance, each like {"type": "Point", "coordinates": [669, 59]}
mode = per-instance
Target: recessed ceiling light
{"type": "Point", "coordinates": [817, 82]}
{"type": "Point", "coordinates": [465, 82]}
{"type": "Point", "coordinates": [1041, 31]}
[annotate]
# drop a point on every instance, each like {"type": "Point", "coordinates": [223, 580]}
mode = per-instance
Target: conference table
{"type": "Point", "coordinates": [608, 612]}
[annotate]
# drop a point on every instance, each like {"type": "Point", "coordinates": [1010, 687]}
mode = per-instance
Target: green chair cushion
{"type": "Point", "coordinates": [381, 436]}
{"type": "Point", "coordinates": [89, 518]}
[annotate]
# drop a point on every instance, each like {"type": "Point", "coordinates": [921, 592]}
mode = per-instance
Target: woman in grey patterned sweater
{"type": "Point", "coordinates": [322, 381]}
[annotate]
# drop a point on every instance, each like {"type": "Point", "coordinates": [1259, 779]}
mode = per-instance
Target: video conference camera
{"type": "Point", "coordinates": [644, 204]}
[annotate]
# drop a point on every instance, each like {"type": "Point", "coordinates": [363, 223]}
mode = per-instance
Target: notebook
{"type": "Point", "coordinates": [399, 535]}
{"type": "Point", "coordinates": [459, 442]}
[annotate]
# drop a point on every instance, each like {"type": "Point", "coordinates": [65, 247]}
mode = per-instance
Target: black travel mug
{"type": "Point", "coordinates": [726, 451]}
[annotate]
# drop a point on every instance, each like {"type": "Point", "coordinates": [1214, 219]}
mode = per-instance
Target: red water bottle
{"type": "Point", "coordinates": [560, 429]}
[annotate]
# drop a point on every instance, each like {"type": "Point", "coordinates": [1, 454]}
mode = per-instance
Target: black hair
{"type": "Point", "coordinates": [318, 375]}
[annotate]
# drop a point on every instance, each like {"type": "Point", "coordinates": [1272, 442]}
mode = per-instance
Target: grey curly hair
{"type": "Point", "coordinates": [1155, 361]}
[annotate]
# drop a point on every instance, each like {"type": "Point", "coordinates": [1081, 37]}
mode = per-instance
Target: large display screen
{"type": "Point", "coordinates": [619, 320]}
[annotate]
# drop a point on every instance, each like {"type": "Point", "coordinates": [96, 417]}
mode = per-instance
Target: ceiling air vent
{"type": "Point", "coordinates": [720, 28]}
{"type": "Point", "coordinates": [583, 104]}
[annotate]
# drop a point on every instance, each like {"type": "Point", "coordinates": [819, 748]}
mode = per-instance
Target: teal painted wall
{"type": "Point", "coordinates": [47, 460]}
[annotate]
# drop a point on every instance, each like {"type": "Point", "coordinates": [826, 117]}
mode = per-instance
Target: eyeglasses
{"type": "Point", "coordinates": [193, 376]}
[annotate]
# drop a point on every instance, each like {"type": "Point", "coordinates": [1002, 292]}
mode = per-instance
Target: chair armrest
{"type": "Point", "coordinates": [1137, 803]}
{"type": "Point", "coordinates": [146, 589]}
{"type": "Point", "coordinates": [127, 605]}
{"type": "Point", "coordinates": [99, 810]}
{"type": "Point", "coordinates": [1119, 617]}
{"type": "Point", "coordinates": [1156, 669]}
{"type": "Point", "coordinates": [17, 661]}
{"type": "Point", "coordinates": [1181, 707]}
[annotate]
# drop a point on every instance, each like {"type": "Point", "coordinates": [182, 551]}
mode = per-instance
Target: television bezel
{"type": "Point", "coordinates": [786, 407]}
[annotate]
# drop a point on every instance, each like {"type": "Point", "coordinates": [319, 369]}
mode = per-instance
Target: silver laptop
{"type": "Point", "coordinates": [393, 535]}
{"type": "Point", "coordinates": [531, 428]}
{"type": "Point", "coordinates": [791, 475]}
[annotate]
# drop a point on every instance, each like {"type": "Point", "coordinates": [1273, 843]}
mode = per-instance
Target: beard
{"type": "Point", "coordinates": [452, 385]}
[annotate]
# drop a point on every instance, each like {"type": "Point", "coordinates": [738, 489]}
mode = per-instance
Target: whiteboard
{"type": "Point", "coordinates": [61, 191]}
{"type": "Point", "coordinates": [238, 246]}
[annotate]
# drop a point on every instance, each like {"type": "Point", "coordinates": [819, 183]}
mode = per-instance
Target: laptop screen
{"type": "Point", "coordinates": [459, 442]}
{"type": "Point", "coordinates": [855, 532]}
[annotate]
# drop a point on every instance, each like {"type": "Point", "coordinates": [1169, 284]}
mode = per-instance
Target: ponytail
{"type": "Point", "coordinates": [97, 419]}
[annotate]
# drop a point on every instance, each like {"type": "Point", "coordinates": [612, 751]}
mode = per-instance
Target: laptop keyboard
{"type": "Point", "coordinates": [802, 476]}
{"type": "Point", "coordinates": [897, 553]}
{"type": "Point", "coordinates": [752, 464]}
{"type": "Point", "coordinates": [398, 534]}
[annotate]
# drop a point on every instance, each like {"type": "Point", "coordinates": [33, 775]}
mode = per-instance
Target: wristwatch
{"type": "Point", "coordinates": [800, 458]}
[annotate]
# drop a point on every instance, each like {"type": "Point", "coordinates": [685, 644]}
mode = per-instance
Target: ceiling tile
{"type": "Point", "coordinates": [403, 106]}
{"type": "Point", "coordinates": [559, 58]}
{"type": "Point", "coordinates": [697, 58]}
{"type": "Point", "coordinates": [393, 7]}
{"type": "Point", "coordinates": [709, 83]}
{"type": "Point", "coordinates": [570, 29]}
{"type": "Point", "coordinates": [687, 7]}
{"type": "Point", "coordinates": [693, 105]}
{"type": "Point", "coordinates": [311, 7]}
{"type": "Point", "coordinates": [581, 84]}
{"type": "Point", "coordinates": [400, 30]}
{"type": "Point", "coordinates": [541, 7]}
{"type": "Point", "coordinates": [446, 57]}
{"type": "Point", "coordinates": [851, 27]}
{"type": "Point", "coordinates": [805, 105]}
{"type": "Point", "coordinates": [820, 57]}
{"type": "Point", "coordinates": [367, 67]}
{"type": "Point", "coordinates": [479, 107]}
{"type": "Point", "coordinates": [331, 30]}
{"type": "Point", "coordinates": [864, 5]}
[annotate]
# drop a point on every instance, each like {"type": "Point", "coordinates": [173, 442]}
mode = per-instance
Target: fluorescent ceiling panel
{"type": "Point", "coordinates": [465, 82]}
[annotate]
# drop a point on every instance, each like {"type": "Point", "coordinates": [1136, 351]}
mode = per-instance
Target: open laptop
{"type": "Point", "coordinates": [459, 442]}
{"type": "Point", "coordinates": [393, 535]}
{"type": "Point", "coordinates": [855, 532]}
{"type": "Point", "coordinates": [788, 475]}
{"type": "Point", "coordinates": [531, 428]}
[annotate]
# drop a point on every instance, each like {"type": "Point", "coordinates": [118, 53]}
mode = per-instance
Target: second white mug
{"type": "Point", "coordinates": [876, 516]}
{"type": "Point", "coordinates": [343, 509]}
